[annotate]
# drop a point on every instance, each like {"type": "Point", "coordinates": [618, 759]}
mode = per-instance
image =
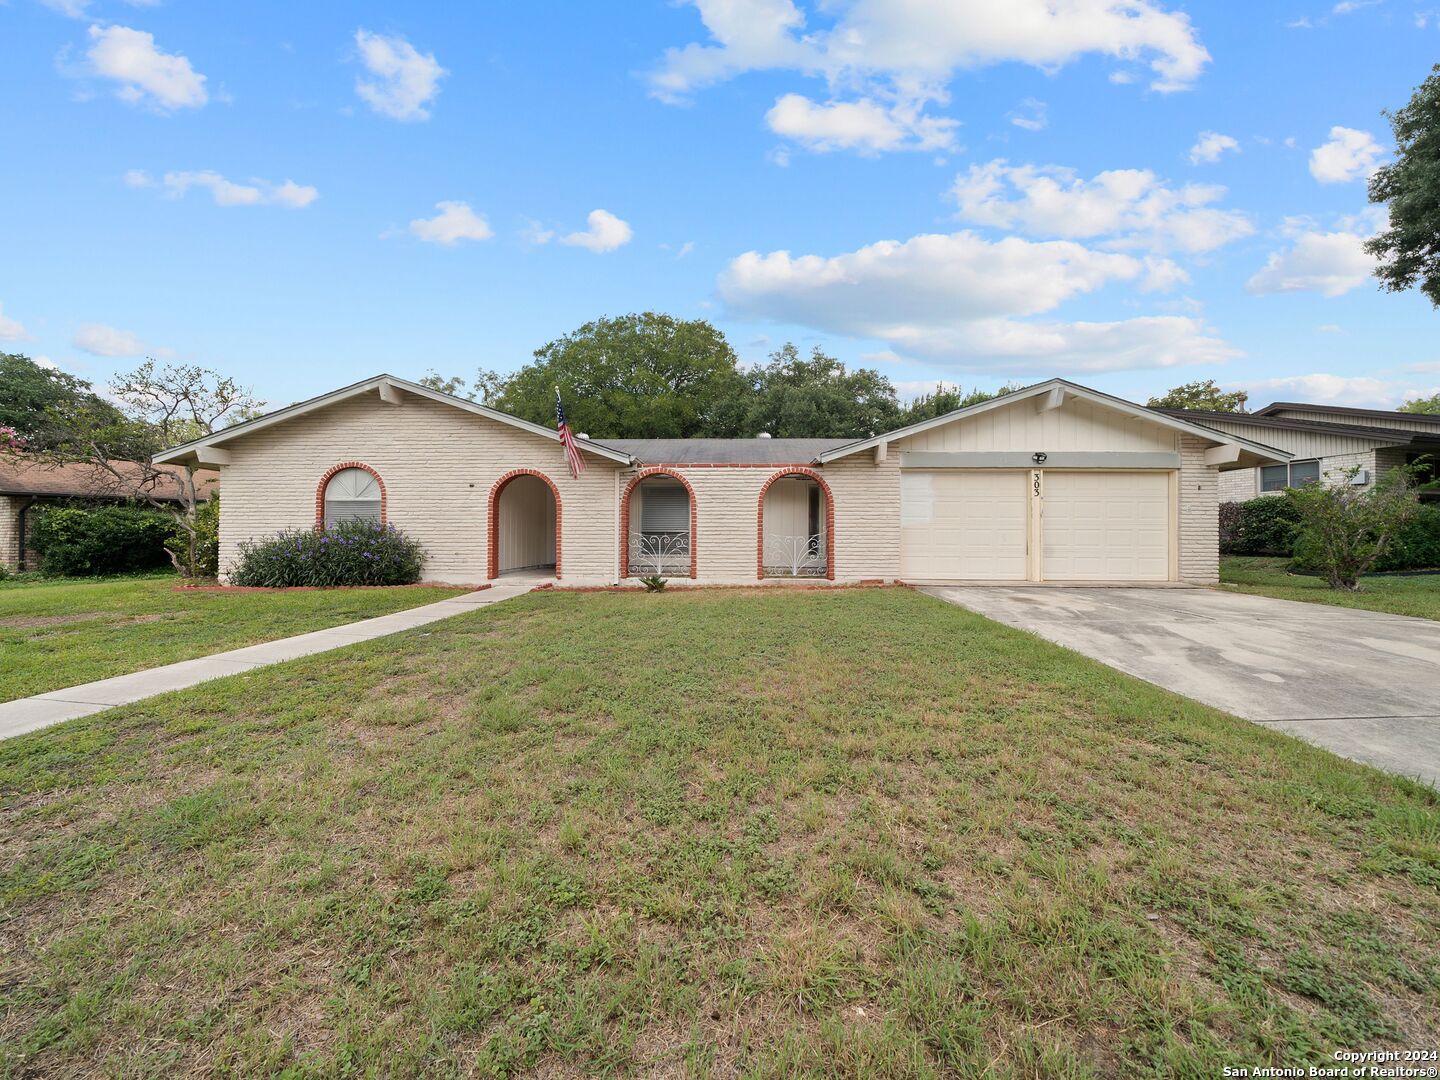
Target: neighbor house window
{"type": "Point", "coordinates": [352, 495]}
{"type": "Point", "coordinates": [1296, 474]}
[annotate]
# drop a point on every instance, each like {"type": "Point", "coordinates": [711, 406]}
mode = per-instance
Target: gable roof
{"type": "Point", "coordinates": [725, 451]}
{"type": "Point", "coordinates": [1338, 410]}
{"type": "Point", "coordinates": [378, 384]}
{"type": "Point", "coordinates": [1070, 389]}
{"type": "Point", "coordinates": [1393, 436]}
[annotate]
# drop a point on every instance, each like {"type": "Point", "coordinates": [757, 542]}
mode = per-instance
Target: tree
{"type": "Point", "coordinates": [1429, 404]}
{"type": "Point", "coordinates": [1409, 247]}
{"type": "Point", "coordinates": [157, 408]}
{"type": "Point", "coordinates": [946, 399]}
{"type": "Point", "coordinates": [38, 401]}
{"type": "Point", "coordinates": [635, 376]}
{"type": "Point", "coordinates": [1343, 529]}
{"type": "Point", "coordinates": [485, 387]}
{"type": "Point", "coordinates": [1201, 394]}
{"type": "Point", "coordinates": [818, 397]}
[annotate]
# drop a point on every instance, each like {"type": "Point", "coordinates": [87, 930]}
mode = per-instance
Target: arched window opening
{"type": "Point", "coordinates": [353, 495]}
{"type": "Point", "coordinates": [661, 538]}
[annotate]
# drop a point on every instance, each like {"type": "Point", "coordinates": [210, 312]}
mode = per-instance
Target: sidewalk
{"type": "Point", "coordinates": [44, 710]}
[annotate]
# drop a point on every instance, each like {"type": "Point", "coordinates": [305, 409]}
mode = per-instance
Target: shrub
{"type": "Point", "coordinates": [207, 538]}
{"type": "Point", "coordinates": [347, 553]}
{"type": "Point", "coordinates": [1345, 530]}
{"type": "Point", "coordinates": [1417, 545]}
{"type": "Point", "coordinates": [78, 542]}
{"type": "Point", "coordinates": [1263, 526]}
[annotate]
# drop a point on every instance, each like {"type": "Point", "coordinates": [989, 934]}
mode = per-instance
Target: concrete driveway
{"type": "Point", "coordinates": [1360, 683]}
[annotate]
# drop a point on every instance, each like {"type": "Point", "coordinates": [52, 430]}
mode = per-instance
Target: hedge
{"type": "Point", "coordinates": [347, 553]}
{"type": "Point", "coordinates": [79, 542]}
{"type": "Point", "coordinates": [1267, 526]}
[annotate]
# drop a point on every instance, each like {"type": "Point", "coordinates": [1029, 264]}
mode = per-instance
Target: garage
{"type": "Point", "coordinates": [1036, 525]}
{"type": "Point", "coordinates": [1105, 526]}
{"type": "Point", "coordinates": [964, 525]}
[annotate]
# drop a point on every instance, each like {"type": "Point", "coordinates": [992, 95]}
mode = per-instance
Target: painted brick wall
{"type": "Point", "coordinates": [1239, 485]}
{"type": "Point", "coordinates": [438, 464]}
{"type": "Point", "coordinates": [1199, 542]}
{"type": "Point", "coordinates": [10, 530]}
{"type": "Point", "coordinates": [727, 499]}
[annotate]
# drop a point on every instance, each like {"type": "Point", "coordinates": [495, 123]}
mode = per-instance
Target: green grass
{"type": "Point", "coordinates": [709, 833]}
{"type": "Point", "coordinates": [1417, 595]}
{"type": "Point", "coordinates": [61, 632]}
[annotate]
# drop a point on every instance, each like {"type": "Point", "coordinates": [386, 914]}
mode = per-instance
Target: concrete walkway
{"type": "Point", "coordinates": [1361, 683]}
{"type": "Point", "coordinates": [44, 710]}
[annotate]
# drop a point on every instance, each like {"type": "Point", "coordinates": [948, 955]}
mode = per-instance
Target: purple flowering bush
{"type": "Point", "coordinates": [346, 553]}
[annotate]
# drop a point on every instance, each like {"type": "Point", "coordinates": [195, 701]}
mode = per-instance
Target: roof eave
{"type": "Point", "coordinates": [191, 451]}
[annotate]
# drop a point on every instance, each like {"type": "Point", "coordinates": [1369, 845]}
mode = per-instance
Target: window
{"type": "Point", "coordinates": [1279, 477]}
{"type": "Point", "coordinates": [1304, 472]}
{"type": "Point", "coordinates": [352, 495]}
{"type": "Point", "coordinates": [664, 508]}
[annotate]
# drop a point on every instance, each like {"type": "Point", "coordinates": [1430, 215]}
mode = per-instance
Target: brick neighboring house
{"type": "Point", "coordinates": [1324, 441]}
{"type": "Point", "coordinates": [26, 484]}
{"type": "Point", "coordinates": [1055, 482]}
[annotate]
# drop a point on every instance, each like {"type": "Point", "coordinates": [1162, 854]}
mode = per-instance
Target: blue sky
{"type": "Point", "coordinates": [1130, 193]}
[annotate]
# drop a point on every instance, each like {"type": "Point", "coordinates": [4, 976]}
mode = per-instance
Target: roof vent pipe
{"type": "Point", "coordinates": [581, 435]}
{"type": "Point", "coordinates": [763, 435]}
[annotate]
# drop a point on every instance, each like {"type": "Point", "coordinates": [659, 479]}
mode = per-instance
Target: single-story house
{"type": "Point", "coordinates": [1325, 441]}
{"type": "Point", "coordinates": [1056, 482]}
{"type": "Point", "coordinates": [27, 483]}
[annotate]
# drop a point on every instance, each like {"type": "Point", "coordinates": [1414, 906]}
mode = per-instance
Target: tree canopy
{"type": "Point", "coordinates": [1409, 247]}
{"type": "Point", "coordinates": [795, 397]}
{"type": "Point", "coordinates": [655, 376]}
{"type": "Point", "coordinates": [41, 403]}
{"type": "Point", "coordinates": [1201, 394]}
{"type": "Point", "coordinates": [635, 376]}
{"type": "Point", "coordinates": [1429, 404]}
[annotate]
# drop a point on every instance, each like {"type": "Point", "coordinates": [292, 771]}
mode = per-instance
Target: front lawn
{"type": "Point", "coordinates": [713, 833]}
{"type": "Point", "coordinates": [60, 632]}
{"type": "Point", "coordinates": [1417, 595]}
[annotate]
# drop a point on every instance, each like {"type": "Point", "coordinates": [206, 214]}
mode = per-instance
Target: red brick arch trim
{"type": "Point", "coordinates": [325, 482]}
{"type": "Point", "coordinates": [829, 520]}
{"type": "Point", "coordinates": [645, 474]}
{"type": "Point", "coordinates": [492, 545]}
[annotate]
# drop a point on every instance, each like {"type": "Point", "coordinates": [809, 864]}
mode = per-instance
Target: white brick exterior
{"type": "Point", "coordinates": [10, 530]}
{"type": "Point", "coordinates": [439, 464]}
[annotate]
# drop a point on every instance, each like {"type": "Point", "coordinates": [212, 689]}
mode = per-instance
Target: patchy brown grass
{"type": "Point", "coordinates": [713, 834]}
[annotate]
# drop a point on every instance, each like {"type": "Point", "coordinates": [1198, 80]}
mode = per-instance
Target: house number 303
{"type": "Point", "coordinates": [1035, 480]}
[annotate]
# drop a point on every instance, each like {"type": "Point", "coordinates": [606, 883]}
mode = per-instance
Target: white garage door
{"type": "Point", "coordinates": [1106, 526]}
{"type": "Point", "coordinates": [967, 526]}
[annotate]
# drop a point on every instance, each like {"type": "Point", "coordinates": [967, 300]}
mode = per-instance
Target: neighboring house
{"type": "Point", "coordinates": [27, 484]}
{"type": "Point", "coordinates": [1324, 441]}
{"type": "Point", "coordinates": [1055, 482]}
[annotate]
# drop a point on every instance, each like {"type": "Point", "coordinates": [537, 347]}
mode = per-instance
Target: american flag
{"type": "Point", "coordinates": [567, 440]}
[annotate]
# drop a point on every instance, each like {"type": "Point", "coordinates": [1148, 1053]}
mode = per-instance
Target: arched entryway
{"type": "Point", "coordinates": [795, 529]}
{"type": "Point", "coordinates": [524, 524]}
{"type": "Point", "coordinates": [657, 526]}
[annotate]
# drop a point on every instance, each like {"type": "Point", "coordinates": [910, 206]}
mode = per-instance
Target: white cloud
{"type": "Point", "coordinates": [904, 53]}
{"type": "Point", "coordinates": [1330, 328]}
{"type": "Point", "coordinates": [1209, 146]}
{"type": "Point", "coordinates": [1357, 391]}
{"type": "Point", "coordinates": [961, 299]}
{"type": "Point", "coordinates": [1330, 263]}
{"type": "Point", "coordinates": [146, 75]}
{"type": "Point", "coordinates": [1133, 207]}
{"type": "Point", "coordinates": [101, 340]}
{"type": "Point", "coordinates": [606, 233]}
{"type": "Point", "coordinates": [74, 9]}
{"type": "Point", "coordinates": [1349, 7]}
{"type": "Point", "coordinates": [455, 222]}
{"type": "Point", "coordinates": [1034, 117]}
{"type": "Point", "coordinates": [226, 192]}
{"type": "Point", "coordinates": [1348, 155]}
{"type": "Point", "coordinates": [11, 329]}
{"type": "Point", "coordinates": [406, 80]}
{"type": "Point", "coordinates": [864, 125]}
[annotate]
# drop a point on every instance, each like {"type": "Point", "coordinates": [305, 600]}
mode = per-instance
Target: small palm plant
{"type": "Point", "coordinates": [654, 583]}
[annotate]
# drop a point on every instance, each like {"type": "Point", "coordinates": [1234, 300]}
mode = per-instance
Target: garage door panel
{"type": "Point", "coordinates": [1103, 526]}
{"type": "Point", "coordinates": [967, 526]}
